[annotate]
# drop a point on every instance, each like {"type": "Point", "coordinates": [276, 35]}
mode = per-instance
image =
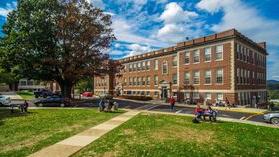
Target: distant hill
{"type": "Point", "coordinates": [273, 85]}
{"type": "Point", "coordinates": [272, 82]}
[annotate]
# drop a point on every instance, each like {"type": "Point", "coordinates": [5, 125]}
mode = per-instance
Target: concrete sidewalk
{"type": "Point", "coordinates": [75, 143]}
{"type": "Point", "coordinates": [12, 95]}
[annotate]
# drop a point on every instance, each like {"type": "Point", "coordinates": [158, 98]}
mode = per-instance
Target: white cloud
{"type": "Point", "coordinates": [136, 49]}
{"type": "Point", "coordinates": [97, 3]}
{"type": "Point", "coordinates": [4, 11]}
{"type": "Point", "coordinates": [126, 31]}
{"type": "Point", "coordinates": [173, 13]}
{"type": "Point", "coordinates": [244, 18]}
{"type": "Point", "coordinates": [178, 24]}
{"type": "Point", "coordinates": [249, 21]}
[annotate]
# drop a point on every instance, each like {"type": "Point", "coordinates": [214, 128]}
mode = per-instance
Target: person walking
{"type": "Point", "coordinates": [172, 102]}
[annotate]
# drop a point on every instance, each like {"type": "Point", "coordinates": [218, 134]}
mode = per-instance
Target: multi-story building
{"type": "Point", "coordinates": [218, 67]}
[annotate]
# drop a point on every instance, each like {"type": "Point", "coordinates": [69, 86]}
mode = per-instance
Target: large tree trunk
{"type": "Point", "coordinates": [66, 88]}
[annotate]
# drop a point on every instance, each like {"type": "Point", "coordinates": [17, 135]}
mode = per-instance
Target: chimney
{"type": "Point", "coordinates": [262, 44]}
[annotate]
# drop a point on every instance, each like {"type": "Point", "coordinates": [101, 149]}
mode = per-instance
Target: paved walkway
{"type": "Point", "coordinates": [73, 144]}
{"type": "Point", "coordinates": [12, 95]}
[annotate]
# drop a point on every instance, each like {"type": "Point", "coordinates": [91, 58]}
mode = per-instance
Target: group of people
{"type": "Point", "coordinates": [107, 105]}
{"type": "Point", "coordinates": [199, 112]}
{"type": "Point", "coordinates": [22, 107]}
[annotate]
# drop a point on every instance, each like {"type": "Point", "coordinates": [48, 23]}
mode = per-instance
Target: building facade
{"type": "Point", "coordinates": [214, 68]}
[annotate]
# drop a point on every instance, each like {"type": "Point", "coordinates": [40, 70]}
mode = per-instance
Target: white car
{"type": "Point", "coordinates": [5, 100]}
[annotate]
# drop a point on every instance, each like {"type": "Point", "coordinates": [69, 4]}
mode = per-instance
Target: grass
{"type": "Point", "coordinates": [152, 135]}
{"type": "Point", "coordinates": [23, 134]}
{"type": "Point", "coordinates": [26, 95]}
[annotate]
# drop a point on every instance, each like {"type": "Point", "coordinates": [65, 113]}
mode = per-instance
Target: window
{"type": "Point", "coordinates": [196, 77]}
{"type": "Point", "coordinates": [196, 95]}
{"type": "Point", "coordinates": [148, 93]}
{"type": "Point", "coordinates": [196, 56]}
{"type": "Point", "coordinates": [165, 67]}
{"type": "Point", "coordinates": [219, 97]}
{"type": "Point", "coordinates": [134, 81]}
{"type": "Point", "coordinates": [238, 75]}
{"type": "Point", "coordinates": [134, 66]}
{"type": "Point", "coordinates": [187, 57]}
{"type": "Point", "coordinates": [186, 78]}
{"type": "Point", "coordinates": [174, 60]}
{"type": "Point", "coordinates": [156, 94]}
{"type": "Point", "coordinates": [207, 54]}
{"type": "Point", "coordinates": [174, 78]}
{"type": "Point", "coordinates": [207, 77]}
{"type": "Point", "coordinates": [130, 67]}
{"type": "Point", "coordinates": [186, 95]}
{"type": "Point", "coordinates": [23, 83]}
{"type": "Point", "coordinates": [155, 80]}
{"type": "Point", "coordinates": [147, 65]}
{"type": "Point", "coordinates": [143, 65]}
{"type": "Point", "coordinates": [147, 80]}
{"type": "Point", "coordinates": [219, 76]}
{"type": "Point", "coordinates": [130, 81]}
{"type": "Point", "coordinates": [219, 52]}
{"type": "Point", "coordinates": [139, 65]}
{"type": "Point", "coordinates": [207, 96]}
{"type": "Point", "coordinates": [156, 64]}
{"type": "Point", "coordinates": [143, 80]}
{"type": "Point", "coordinates": [125, 82]}
{"type": "Point", "coordinates": [138, 81]}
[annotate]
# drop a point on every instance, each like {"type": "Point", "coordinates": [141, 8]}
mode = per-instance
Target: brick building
{"type": "Point", "coordinates": [214, 68]}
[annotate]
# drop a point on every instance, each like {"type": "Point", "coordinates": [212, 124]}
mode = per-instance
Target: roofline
{"type": "Point", "coordinates": [225, 35]}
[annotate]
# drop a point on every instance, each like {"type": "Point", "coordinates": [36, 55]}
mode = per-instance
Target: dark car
{"type": "Point", "coordinates": [43, 93]}
{"type": "Point", "coordinates": [52, 101]}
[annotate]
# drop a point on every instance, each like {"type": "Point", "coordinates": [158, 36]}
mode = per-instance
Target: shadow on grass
{"type": "Point", "coordinates": [7, 114]}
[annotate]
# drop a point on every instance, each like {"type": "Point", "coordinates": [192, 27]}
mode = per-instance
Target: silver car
{"type": "Point", "coordinates": [5, 100]}
{"type": "Point", "coordinates": [272, 117]}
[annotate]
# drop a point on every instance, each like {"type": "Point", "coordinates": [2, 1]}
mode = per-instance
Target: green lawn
{"type": "Point", "coordinates": [174, 136]}
{"type": "Point", "coordinates": [23, 134]}
{"type": "Point", "coordinates": [26, 95]}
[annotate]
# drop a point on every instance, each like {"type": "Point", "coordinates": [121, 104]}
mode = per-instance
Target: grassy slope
{"type": "Point", "coordinates": [23, 134]}
{"type": "Point", "coordinates": [164, 135]}
{"type": "Point", "coordinates": [26, 95]}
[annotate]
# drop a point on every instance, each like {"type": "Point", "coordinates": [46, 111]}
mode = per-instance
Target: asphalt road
{"type": "Point", "coordinates": [189, 110]}
{"type": "Point", "coordinates": [178, 109]}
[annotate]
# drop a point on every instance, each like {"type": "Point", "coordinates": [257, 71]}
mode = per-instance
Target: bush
{"type": "Point", "coordinates": [132, 97]}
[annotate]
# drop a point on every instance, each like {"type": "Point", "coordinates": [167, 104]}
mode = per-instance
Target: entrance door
{"type": "Point", "coordinates": [164, 93]}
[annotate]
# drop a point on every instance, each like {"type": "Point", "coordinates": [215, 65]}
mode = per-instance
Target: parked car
{"type": "Point", "coordinates": [87, 94]}
{"type": "Point", "coordinates": [5, 100]}
{"type": "Point", "coordinates": [272, 117]}
{"type": "Point", "coordinates": [43, 93]}
{"type": "Point", "coordinates": [52, 101]}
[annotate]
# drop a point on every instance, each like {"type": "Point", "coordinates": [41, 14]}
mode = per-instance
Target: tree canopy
{"type": "Point", "coordinates": [61, 40]}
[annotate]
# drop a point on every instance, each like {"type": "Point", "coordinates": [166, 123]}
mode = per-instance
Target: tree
{"type": "Point", "coordinates": [61, 40]}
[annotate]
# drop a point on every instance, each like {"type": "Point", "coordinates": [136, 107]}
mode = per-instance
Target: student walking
{"type": "Point", "coordinates": [172, 102]}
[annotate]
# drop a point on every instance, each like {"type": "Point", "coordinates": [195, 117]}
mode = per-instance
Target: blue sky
{"type": "Point", "coordinates": [144, 25]}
